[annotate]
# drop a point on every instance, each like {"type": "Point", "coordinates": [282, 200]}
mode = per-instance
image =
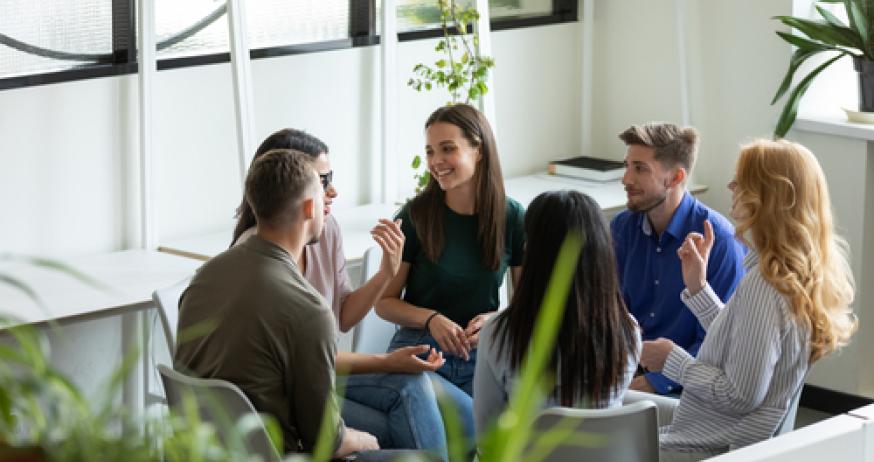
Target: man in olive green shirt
{"type": "Point", "coordinates": [268, 331]}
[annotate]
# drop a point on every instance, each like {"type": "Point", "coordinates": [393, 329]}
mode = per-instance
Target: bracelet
{"type": "Point", "coordinates": [435, 313]}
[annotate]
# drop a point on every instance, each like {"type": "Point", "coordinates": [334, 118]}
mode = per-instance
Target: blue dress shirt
{"type": "Point", "coordinates": [651, 276]}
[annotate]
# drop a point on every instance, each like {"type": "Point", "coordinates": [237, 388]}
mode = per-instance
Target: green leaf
{"type": "Point", "coordinates": [823, 31]}
{"type": "Point", "coordinates": [22, 287]}
{"type": "Point", "coordinates": [829, 17]}
{"type": "Point", "coordinates": [805, 44]}
{"type": "Point", "coordinates": [859, 23]}
{"type": "Point", "coordinates": [440, 63]}
{"type": "Point", "coordinates": [798, 58]}
{"type": "Point", "coordinates": [417, 162]}
{"type": "Point", "coordinates": [790, 111]}
{"type": "Point", "coordinates": [465, 58]}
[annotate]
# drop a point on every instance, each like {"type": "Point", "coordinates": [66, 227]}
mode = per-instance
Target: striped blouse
{"type": "Point", "coordinates": [750, 365]}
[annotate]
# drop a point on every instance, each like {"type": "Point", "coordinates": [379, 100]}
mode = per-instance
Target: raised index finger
{"type": "Point", "coordinates": [708, 234]}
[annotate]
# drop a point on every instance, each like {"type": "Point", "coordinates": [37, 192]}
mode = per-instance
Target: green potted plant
{"type": "Point", "coordinates": [829, 34]}
{"type": "Point", "coordinates": [460, 69]}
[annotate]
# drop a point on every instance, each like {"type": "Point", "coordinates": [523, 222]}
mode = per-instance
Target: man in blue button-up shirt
{"type": "Point", "coordinates": [660, 214]}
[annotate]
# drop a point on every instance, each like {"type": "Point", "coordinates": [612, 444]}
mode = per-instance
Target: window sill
{"type": "Point", "coordinates": [836, 125]}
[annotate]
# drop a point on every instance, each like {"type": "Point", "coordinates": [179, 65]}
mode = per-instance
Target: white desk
{"type": "Point", "coordinates": [128, 277]}
{"type": "Point", "coordinates": [355, 223]}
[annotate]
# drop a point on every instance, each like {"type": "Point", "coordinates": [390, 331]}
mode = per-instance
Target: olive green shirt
{"type": "Point", "coordinates": [458, 285]}
{"type": "Point", "coordinates": [270, 333]}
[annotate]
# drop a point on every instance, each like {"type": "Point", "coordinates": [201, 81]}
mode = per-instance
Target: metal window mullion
{"type": "Point", "coordinates": [124, 28]}
{"type": "Point", "coordinates": [242, 75]}
{"type": "Point", "coordinates": [361, 18]}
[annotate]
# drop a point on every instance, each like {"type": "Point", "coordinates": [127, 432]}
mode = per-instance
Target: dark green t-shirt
{"type": "Point", "coordinates": [458, 285]}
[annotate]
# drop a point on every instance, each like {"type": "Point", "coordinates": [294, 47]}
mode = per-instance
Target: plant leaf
{"type": "Point", "coordinates": [859, 23]}
{"type": "Point", "coordinates": [22, 287]}
{"type": "Point", "coordinates": [823, 31]}
{"type": "Point", "coordinates": [790, 111]}
{"type": "Point", "coordinates": [829, 17]}
{"type": "Point", "coordinates": [798, 58]}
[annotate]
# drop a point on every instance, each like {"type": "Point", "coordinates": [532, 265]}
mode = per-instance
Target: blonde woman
{"type": "Point", "coordinates": [790, 310]}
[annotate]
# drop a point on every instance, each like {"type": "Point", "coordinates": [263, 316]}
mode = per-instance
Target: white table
{"type": "Point", "coordinates": [355, 223]}
{"type": "Point", "coordinates": [128, 279]}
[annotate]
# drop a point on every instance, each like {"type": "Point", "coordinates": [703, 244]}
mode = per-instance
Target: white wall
{"type": "Point", "coordinates": [68, 184]}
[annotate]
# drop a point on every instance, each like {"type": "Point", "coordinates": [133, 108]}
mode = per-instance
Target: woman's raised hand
{"type": "Point", "coordinates": [693, 254]}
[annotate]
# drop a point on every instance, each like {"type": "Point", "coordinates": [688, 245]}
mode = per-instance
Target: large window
{"type": "Point", "coordinates": [46, 41]}
{"type": "Point", "coordinates": [424, 14]}
{"type": "Point", "coordinates": [53, 35]}
{"type": "Point", "coordinates": [200, 27]}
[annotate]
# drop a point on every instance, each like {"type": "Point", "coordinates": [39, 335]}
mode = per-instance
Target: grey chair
{"type": "Point", "coordinates": [623, 434]}
{"type": "Point", "coordinates": [788, 423]}
{"type": "Point", "coordinates": [373, 334]}
{"type": "Point", "coordinates": [222, 404]}
{"type": "Point", "coordinates": [167, 300]}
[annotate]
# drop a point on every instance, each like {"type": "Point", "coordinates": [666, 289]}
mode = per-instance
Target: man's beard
{"type": "Point", "coordinates": [647, 206]}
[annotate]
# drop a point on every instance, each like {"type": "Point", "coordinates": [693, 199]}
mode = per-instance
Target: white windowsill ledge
{"type": "Point", "coordinates": [834, 125]}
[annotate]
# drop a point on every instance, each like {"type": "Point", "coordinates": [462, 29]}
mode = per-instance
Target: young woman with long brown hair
{"type": "Point", "coordinates": [462, 233]}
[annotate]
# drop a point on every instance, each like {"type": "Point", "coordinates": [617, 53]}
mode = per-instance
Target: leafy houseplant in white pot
{"type": "Point", "coordinates": [829, 34]}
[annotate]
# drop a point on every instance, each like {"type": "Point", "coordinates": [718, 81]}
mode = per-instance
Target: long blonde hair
{"type": "Point", "coordinates": [783, 206]}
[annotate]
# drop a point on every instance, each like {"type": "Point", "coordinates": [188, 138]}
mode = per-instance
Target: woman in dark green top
{"type": "Point", "coordinates": [462, 233]}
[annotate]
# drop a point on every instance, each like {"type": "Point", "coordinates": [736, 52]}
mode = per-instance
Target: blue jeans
{"type": "Point", "coordinates": [400, 410]}
{"type": "Point", "coordinates": [454, 379]}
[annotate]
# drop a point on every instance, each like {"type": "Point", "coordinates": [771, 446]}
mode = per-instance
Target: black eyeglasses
{"type": "Point", "coordinates": [326, 179]}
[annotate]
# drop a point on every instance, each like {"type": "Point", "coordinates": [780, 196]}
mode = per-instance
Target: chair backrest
{"type": "Point", "coordinates": [623, 434]}
{"type": "Point", "coordinates": [222, 404]}
{"type": "Point", "coordinates": [788, 423]}
{"type": "Point", "coordinates": [167, 300]}
{"type": "Point", "coordinates": [373, 334]}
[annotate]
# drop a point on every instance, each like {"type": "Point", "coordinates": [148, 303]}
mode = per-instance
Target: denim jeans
{"type": "Point", "coordinates": [400, 410]}
{"type": "Point", "coordinates": [454, 379]}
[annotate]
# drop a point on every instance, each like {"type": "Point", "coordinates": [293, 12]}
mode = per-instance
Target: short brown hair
{"type": "Point", "coordinates": [276, 182]}
{"type": "Point", "coordinates": [672, 144]}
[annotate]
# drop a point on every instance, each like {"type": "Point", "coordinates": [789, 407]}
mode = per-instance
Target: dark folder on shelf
{"type": "Point", "coordinates": [588, 168]}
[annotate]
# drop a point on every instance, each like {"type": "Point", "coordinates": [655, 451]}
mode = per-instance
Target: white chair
{"type": "Point", "coordinates": [788, 423]}
{"type": "Point", "coordinates": [222, 404]}
{"type": "Point", "coordinates": [167, 300]}
{"type": "Point", "coordinates": [373, 334]}
{"type": "Point", "coordinates": [623, 434]}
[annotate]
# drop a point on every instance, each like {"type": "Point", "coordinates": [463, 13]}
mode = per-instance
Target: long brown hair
{"type": "Point", "coordinates": [785, 211]}
{"type": "Point", "coordinates": [426, 209]}
{"type": "Point", "coordinates": [597, 337]}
